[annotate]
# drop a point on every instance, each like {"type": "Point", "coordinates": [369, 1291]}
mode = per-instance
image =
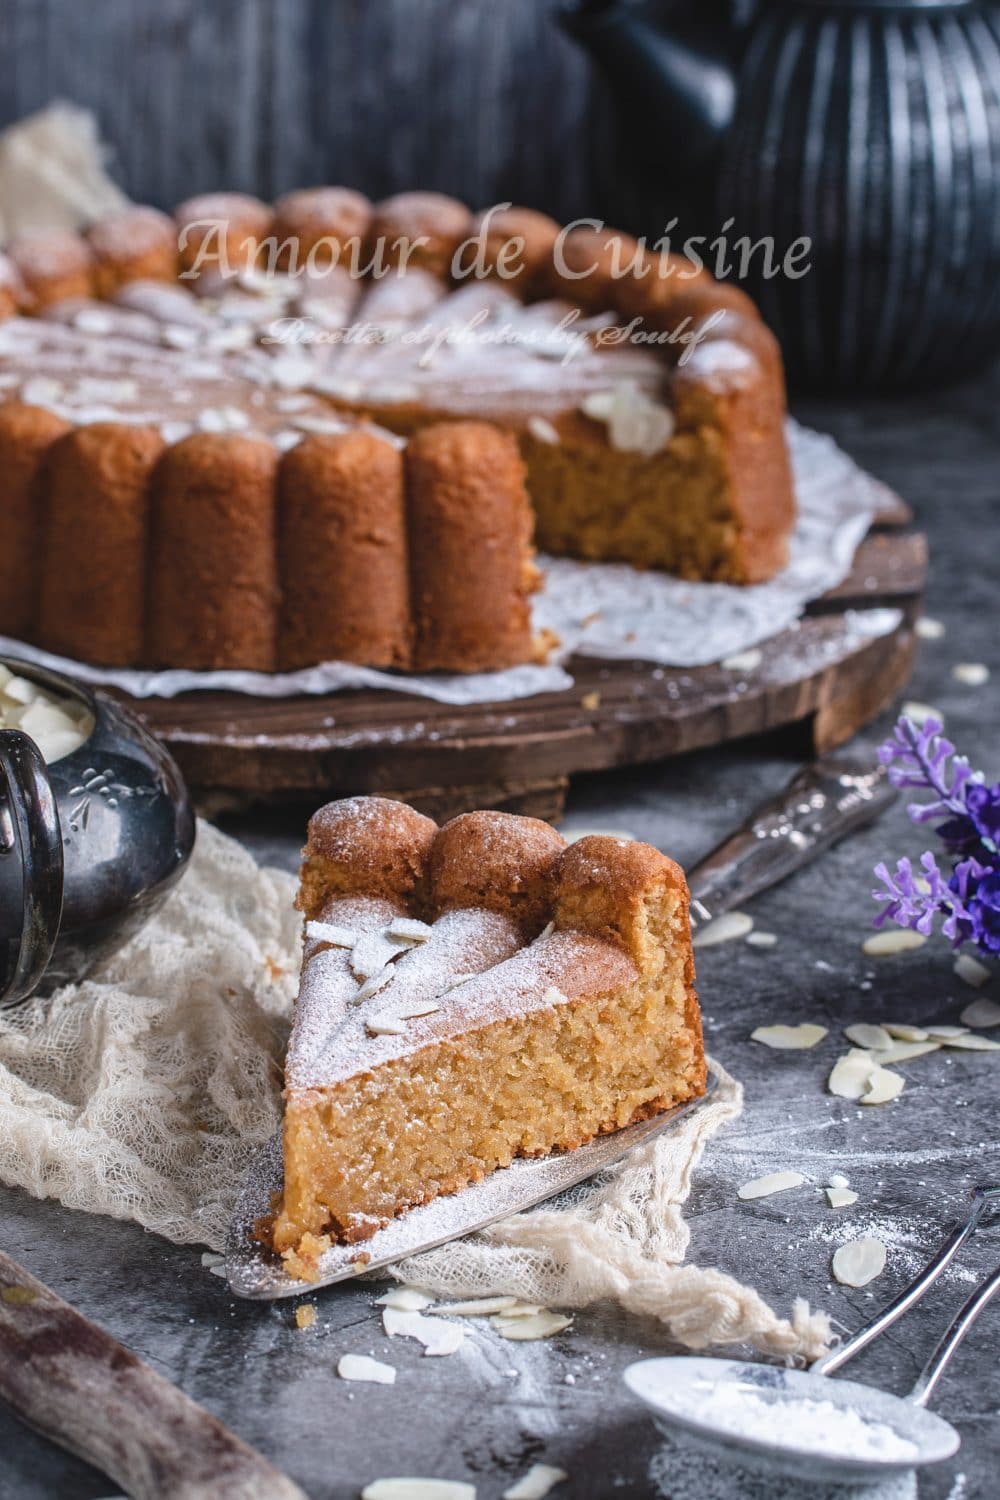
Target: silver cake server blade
{"type": "Point", "coordinates": [255, 1273]}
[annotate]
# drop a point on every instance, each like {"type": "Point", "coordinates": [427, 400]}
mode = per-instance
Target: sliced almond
{"type": "Point", "coordinates": [973, 1043]}
{"type": "Point", "coordinates": [929, 629]}
{"type": "Point", "coordinates": [892, 940]}
{"type": "Point", "coordinates": [385, 1026]}
{"type": "Point", "coordinates": [408, 930]}
{"type": "Point", "coordinates": [332, 933]}
{"type": "Point", "coordinates": [406, 1298]}
{"type": "Point", "coordinates": [850, 1075]}
{"type": "Point", "coordinates": [971, 971]}
{"type": "Point", "coordinates": [946, 1033]}
{"type": "Point", "coordinates": [904, 1051]}
{"type": "Point", "coordinates": [838, 1180]}
{"type": "Point", "coordinates": [372, 986]}
{"type": "Point", "coordinates": [418, 1489]}
{"type": "Point", "coordinates": [417, 1008]}
{"type": "Point", "coordinates": [859, 1262]}
{"type": "Point", "coordinates": [542, 1326]}
{"type": "Point", "coordinates": [536, 1484]}
{"type": "Point", "coordinates": [789, 1038]}
{"type": "Point", "coordinates": [361, 1367]}
{"type": "Point", "coordinates": [883, 1086]}
{"type": "Point", "coordinates": [869, 1037]}
{"type": "Point", "coordinates": [840, 1197]}
{"type": "Point", "coordinates": [903, 1032]}
{"type": "Point", "coordinates": [725, 929]}
{"type": "Point", "coordinates": [984, 1013]}
{"type": "Point", "coordinates": [762, 939]}
{"type": "Point", "coordinates": [371, 954]}
{"type": "Point", "coordinates": [774, 1182]}
{"type": "Point", "coordinates": [919, 713]}
{"type": "Point", "coordinates": [436, 1336]}
{"type": "Point", "coordinates": [742, 661]}
{"type": "Point", "coordinates": [476, 1307]}
{"type": "Point", "coordinates": [971, 673]}
{"type": "Point", "coordinates": [522, 1310]}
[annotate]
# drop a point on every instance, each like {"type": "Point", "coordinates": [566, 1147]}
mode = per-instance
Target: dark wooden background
{"type": "Point", "coordinates": [485, 99]}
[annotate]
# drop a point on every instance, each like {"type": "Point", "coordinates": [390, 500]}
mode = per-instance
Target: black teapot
{"type": "Point", "coordinates": [89, 845]}
{"type": "Point", "coordinates": [872, 129]}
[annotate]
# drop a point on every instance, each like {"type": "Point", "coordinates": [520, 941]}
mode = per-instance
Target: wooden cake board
{"type": "Point", "coordinates": [829, 674]}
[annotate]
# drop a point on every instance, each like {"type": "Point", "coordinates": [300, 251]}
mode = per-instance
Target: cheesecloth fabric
{"type": "Point", "coordinates": [144, 1092]}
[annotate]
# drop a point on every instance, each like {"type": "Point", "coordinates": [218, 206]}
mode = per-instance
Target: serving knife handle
{"type": "Point", "coordinates": [819, 805]}
{"type": "Point", "coordinates": [72, 1382]}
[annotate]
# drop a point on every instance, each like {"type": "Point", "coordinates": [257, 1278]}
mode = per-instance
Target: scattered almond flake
{"type": "Point", "coordinates": [604, 833]}
{"type": "Point", "coordinates": [774, 1182]}
{"type": "Point", "coordinates": [590, 701]}
{"type": "Point", "coordinates": [543, 430]}
{"type": "Point", "coordinates": [742, 661]}
{"type": "Point", "coordinates": [417, 1008]}
{"type": "Point", "coordinates": [840, 1197]}
{"type": "Point", "coordinates": [305, 1316]}
{"type": "Point", "coordinates": [838, 1180]}
{"type": "Point", "coordinates": [371, 954]}
{"type": "Point", "coordinates": [372, 986]}
{"type": "Point", "coordinates": [946, 1033]}
{"type": "Point", "coordinates": [408, 930]}
{"type": "Point", "coordinates": [919, 713]}
{"type": "Point", "coordinates": [536, 1484]}
{"type": "Point", "coordinates": [905, 1051]}
{"type": "Point", "coordinates": [542, 1326]}
{"type": "Point", "coordinates": [523, 1309]}
{"type": "Point", "coordinates": [982, 1013]}
{"type": "Point", "coordinates": [457, 982]}
{"type": "Point", "coordinates": [418, 1489]}
{"type": "Point", "coordinates": [329, 932]}
{"type": "Point", "coordinates": [869, 1037]}
{"type": "Point", "coordinates": [731, 925]}
{"type": "Point", "coordinates": [476, 1307]}
{"type": "Point", "coordinates": [883, 1086]}
{"type": "Point", "coordinates": [552, 996]}
{"type": "Point", "coordinates": [219, 1271]}
{"type": "Point", "coordinates": [904, 1032]}
{"type": "Point", "coordinates": [406, 1298]}
{"type": "Point", "coordinates": [971, 673]}
{"type": "Point", "coordinates": [789, 1038]}
{"type": "Point", "coordinates": [859, 1262]}
{"type": "Point", "coordinates": [972, 1043]}
{"type": "Point", "coordinates": [892, 940]}
{"type": "Point", "coordinates": [636, 423]}
{"type": "Point", "coordinates": [850, 1075]}
{"type": "Point", "coordinates": [212, 1258]}
{"type": "Point", "coordinates": [546, 932]}
{"type": "Point", "coordinates": [929, 629]}
{"type": "Point", "coordinates": [362, 1367]}
{"type": "Point", "coordinates": [436, 1336]}
{"type": "Point", "coordinates": [385, 1026]}
{"type": "Point", "coordinates": [971, 971]}
{"type": "Point", "coordinates": [762, 939]}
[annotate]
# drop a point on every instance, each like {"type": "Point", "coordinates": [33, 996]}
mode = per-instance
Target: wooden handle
{"type": "Point", "coordinates": [72, 1382]}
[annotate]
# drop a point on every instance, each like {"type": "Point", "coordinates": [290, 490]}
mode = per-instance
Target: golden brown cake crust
{"type": "Point", "coordinates": [320, 221]}
{"type": "Point", "coordinates": [470, 548]}
{"type": "Point", "coordinates": [53, 264]}
{"type": "Point", "coordinates": [496, 862]}
{"type": "Point", "coordinates": [245, 221]}
{"type": "Point", "coordinates": [342, 551]}
{"type": "Point", "coordinates": [213, 584]}
{"type": "Point", "coordinates": [522, 240]}
{"type": "Point", "coordinates": [420, 229]}
{"type": "Point", "coordinates": [27, 434]}
{"type": "Point", "coordinates": [139, 244]}
{"type": "Point", "coordinates": [93, 587]}
{"type": "Point", "coordinates": [369, 844]}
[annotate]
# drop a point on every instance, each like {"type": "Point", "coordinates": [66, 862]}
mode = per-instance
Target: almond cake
{"type": "Point", "coordinates": [470, 994]}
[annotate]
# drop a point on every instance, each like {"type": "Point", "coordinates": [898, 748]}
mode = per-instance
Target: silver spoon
{"type": "Point", "coordinates": [681, 1392]}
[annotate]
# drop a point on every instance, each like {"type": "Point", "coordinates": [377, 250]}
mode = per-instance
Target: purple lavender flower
{"type": "Point", "coordinates": [968, 815]}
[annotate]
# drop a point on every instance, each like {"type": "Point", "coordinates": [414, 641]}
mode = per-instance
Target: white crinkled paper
{"type": "Point", "coordinates": [599, 609]}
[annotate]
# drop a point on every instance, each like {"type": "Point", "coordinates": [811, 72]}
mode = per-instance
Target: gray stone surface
{"type": "Point", "coordinates": [487, 1412]}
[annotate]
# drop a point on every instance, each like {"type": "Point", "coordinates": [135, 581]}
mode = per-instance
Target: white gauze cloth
{"type": "Point", "coordinates": [144, 1092]}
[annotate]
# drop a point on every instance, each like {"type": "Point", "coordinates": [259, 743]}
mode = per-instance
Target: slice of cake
{"type": "Point", "coordinates": [470, 994]}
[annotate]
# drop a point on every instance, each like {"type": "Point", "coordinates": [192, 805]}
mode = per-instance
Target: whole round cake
{"type": "Point", "coordinates": [264, 438]}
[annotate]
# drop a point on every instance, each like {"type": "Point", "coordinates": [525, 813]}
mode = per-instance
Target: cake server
{"type": "Point", "coordinates": [678, 1393]}
{"type": "Point", "coordinates": [822, 802]}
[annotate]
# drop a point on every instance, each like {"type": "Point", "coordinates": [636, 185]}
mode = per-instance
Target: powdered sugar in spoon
{"type": "Point", "coordinates": [797, 1423]}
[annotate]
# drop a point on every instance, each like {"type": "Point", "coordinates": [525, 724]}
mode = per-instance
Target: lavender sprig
{"type": "Point", "coordinates": [967, 901]}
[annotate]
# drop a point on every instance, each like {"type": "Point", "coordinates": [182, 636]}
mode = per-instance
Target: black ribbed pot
{"type": "Point", "coordinates": [872, 128]}
{"type": "Point", "coordinates": [875, 130]}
